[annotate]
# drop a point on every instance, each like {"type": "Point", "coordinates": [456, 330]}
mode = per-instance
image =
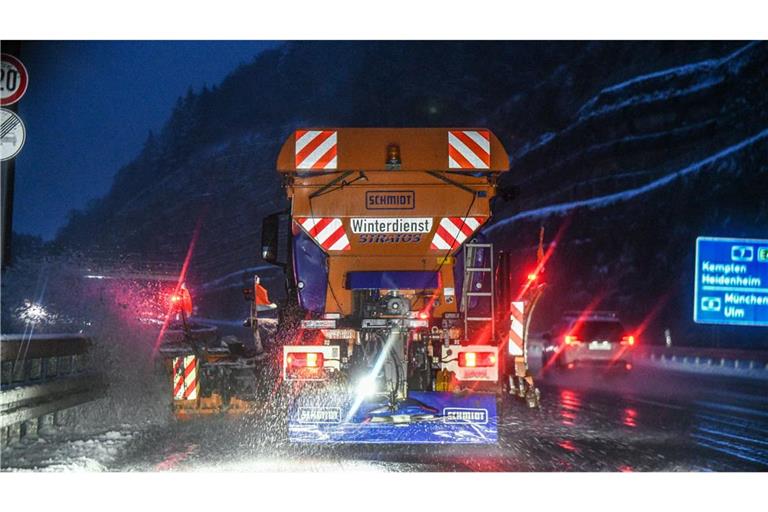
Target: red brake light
{"type": "Point", "coordinates": [571, 340]}
{"type": "Point", "coordinates": [628, 340]}
{"type": "Point", "coordinates": [304, 360]}
{"type": "Point", "coordinates": [477, 359]}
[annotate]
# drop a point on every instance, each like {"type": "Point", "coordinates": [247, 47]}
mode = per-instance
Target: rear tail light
{"type": "Point", "coordinates": [572, 340]}
{"type": "Point", "coordinates": [304, 360]}
{"type": "Point", "coordinates": [477, 359]}
{"type": "Point", "coordinates": [628, 340]}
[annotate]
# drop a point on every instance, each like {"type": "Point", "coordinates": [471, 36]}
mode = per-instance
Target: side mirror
{"type": "Point", "coordinates": [276, 238]}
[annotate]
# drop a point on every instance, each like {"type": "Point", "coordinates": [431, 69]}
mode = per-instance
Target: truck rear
{"type": "Point", "coordinates": [407, 329]}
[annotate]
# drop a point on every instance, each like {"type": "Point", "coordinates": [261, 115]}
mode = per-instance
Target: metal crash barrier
{"type": "Point", "coordinates": [716, 361]}
{"type": "Point", "coordinates": [43, 376]}
{"type": "Point", "coordinates": [737, 363]}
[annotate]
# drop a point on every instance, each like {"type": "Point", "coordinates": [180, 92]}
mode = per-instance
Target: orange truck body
{"type": "Point", "coordinates": [423, 186]}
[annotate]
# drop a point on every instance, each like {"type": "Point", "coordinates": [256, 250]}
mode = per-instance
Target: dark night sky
{"type": "Point", "coordinates": [89, 107]}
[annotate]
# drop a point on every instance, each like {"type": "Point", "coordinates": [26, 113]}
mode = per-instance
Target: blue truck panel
{"type": "Point", "coordinates": [393, 280]}
{"type": "Point", "coordinates": [437, 418]}
{"type": "Point", "coordinates": [311, 269]}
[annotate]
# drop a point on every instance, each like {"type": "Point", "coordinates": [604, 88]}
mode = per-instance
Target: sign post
{"type": "Point", "coordinates": [13, 84]}
{"type": "Point", "coordinates": [731, 286]}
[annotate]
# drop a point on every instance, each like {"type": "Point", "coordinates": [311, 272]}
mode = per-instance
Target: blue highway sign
{"type": "Point", "coordinates": [731, 281]}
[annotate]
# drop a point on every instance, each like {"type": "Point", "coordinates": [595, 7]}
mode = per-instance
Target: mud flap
{"type": "Point", "coordinates": [425, 418]}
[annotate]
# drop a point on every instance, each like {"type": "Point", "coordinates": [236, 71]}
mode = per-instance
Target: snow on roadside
{"type": "Point", "coordinates": [62, 452]}
{"type": "Point", "coordinates": [607, 200]}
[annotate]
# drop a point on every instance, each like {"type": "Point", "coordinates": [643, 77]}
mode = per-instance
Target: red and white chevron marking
{"type": "Point", "coordinates": [185, 383]}
{"type": "Point", "coordinates": [516, 329]}
{"type": "Point", "coordinates": [469, 149]}
{"type": "Point", "coordinates": [316, 149]}
{"type": "Point", "coordinates": [451, 232]}
{"type": "Point", "coordinates": [328, 232]}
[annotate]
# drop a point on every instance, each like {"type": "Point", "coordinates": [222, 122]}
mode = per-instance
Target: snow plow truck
{"type": "Point", "coordinates": [410, 325]}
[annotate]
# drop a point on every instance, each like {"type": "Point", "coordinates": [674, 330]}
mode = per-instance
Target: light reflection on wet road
{"type": "Point", "coordinates": [615, 424]}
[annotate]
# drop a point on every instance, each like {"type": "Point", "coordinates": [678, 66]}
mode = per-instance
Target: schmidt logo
{"type": "Point", "coordinates": [464, 415]}
{"type": "Point", "coordinates": [319, 415]}
{"type": "Point", "coordinates": [390, 200]}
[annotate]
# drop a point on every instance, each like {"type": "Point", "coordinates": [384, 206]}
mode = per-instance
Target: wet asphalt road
{"type": "Point", "coordinates": [646, 421]}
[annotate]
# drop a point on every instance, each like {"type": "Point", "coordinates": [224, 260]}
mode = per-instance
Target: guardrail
{"type": "Point", "coordinates": [703, 360]}
{"type": "Point", "coordinates": [716, 361]}
{"type": "Point", "coordinates": [42, 376]}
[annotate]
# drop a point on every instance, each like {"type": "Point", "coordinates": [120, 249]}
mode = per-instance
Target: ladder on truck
{"type": "Point", "coordinates": [478, 286]}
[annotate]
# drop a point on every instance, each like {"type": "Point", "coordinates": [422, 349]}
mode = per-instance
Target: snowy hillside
{"type": "Point", "coordinates": [628, 151]}
{"type": "Point", "coordinates": [646, 166]}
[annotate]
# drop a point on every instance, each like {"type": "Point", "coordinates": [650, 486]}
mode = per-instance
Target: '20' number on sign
{"type": "Point", "coordinates": [9, 80]}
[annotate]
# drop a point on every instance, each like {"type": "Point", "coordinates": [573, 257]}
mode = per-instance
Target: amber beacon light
{"type": "Point", "coordinates": [393, 156]}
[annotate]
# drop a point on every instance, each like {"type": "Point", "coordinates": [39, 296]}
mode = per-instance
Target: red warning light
{"type": "Point", "coordinates": [181, 301]}
{"type": "Point", "coordinates": [305, 359]}
{"type": "Point", "coordinates": [476, 359]}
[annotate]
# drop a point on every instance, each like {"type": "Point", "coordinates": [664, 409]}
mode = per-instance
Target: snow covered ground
{"type": "Point", "coordinates": [67, 451]}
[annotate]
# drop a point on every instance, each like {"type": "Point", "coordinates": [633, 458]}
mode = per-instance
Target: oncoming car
{"type": "Point", "coordinates": [596, 338]}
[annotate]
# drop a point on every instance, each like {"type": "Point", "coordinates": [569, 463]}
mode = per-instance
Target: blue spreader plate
{"type": "Point", "coordinates": [425, 418]}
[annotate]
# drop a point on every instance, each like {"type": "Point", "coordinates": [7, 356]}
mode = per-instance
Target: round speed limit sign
{"type": "Point", "coordinates": [12, 134]}
{"type": "Point", "coordinates": [13, 79]}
